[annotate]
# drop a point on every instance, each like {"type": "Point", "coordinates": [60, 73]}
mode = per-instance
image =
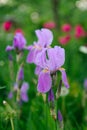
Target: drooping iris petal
{"type": "Point", "coordinates": [24, 90]}
{"type": "Point", "coordinates": [64, 78]}
{"type": "Point", "coordinates": [9, 48]}
{"type": "Point", "coordinates": [32, 55]}
{"type": "Point", "coordinates": [19, 41]}
{"type": "Point", "coordinates": [38, 70]}
{"type": "Point", "coordinates": [56, 57]}
{"type": "Point", "coordinates": [44, 82]}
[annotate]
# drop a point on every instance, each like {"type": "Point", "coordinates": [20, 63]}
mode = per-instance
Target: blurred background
{"type": "Point", "coordinates": [67, 19]}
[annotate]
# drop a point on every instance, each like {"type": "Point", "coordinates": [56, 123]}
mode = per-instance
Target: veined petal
{"type": "Point", "coordinates": [32, 55]}
{"type": "Point", "coordinates": [44, 82]}
{"type": "Point", "coordinates": [64, 78]}
{"type": "Point", "coordinates": [37, 70]}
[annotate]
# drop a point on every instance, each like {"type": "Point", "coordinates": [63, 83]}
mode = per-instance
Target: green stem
{"type": "Point", "coordinates": [12, 124]}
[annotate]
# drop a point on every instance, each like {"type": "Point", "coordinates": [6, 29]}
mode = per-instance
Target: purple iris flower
{"type": "Point", "coordinates": [10, 95]}
{"type": "Point", "coordinates": [23, 92]}
{"type": "Point", "coordinates": [19, 43]}
{"type": "Point", "coordinates": [50, 61]}
{"type": "Point", "coordinates": [45, 38]}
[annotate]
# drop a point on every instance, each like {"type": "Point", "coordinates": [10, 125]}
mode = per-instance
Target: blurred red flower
{"type": "Point", "coordinates": [7, 25]}
{"type": "Point", "coordinates": [49, 25]}
{"type": "Point", "coordinates": [66, 28]}
{"type": "Point", "coordinates": [64, 39]}
{"type": "Point", "coordinates": [79, 31]}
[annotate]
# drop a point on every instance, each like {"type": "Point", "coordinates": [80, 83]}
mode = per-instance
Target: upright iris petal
{"type": "Point", "coordinates": [56, 57]}
{"type": "Point", "coordinates": [44, 82]}
{"type": "Point", "coordinates": [45, 38]}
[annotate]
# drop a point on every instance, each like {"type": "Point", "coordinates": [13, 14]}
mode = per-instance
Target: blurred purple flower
{"type": "Point", "coordinates": [10, 95]}
{"type": "Point", "coordinates": [60, 118]}
{"type": "Point", "coordinates": [50, 95]}
{"type": "Point", "coordinates": [23, 92]}
{"type": "Point", "coordinates": [10, 57]}
{"type": "Point", "coordinates": [19, 43]}
{"type": "Point", "coordinates": [21, 73]}
{"type": "Point", "coordinates": [56, 58]}
{"type": "Point", "coordinates": [45, 38]}
{"type": "Point", "coordinates": [85, 84]}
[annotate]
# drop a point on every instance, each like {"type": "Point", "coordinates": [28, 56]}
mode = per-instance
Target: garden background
{"type": "Point", "coordinates": [28, 16]}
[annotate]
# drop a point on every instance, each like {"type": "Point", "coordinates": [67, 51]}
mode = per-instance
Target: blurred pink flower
{"type": "Point", "coordinates": [79, 31]}
{"type": "Point", "coordinates": [7, 25]}
{"type": "Point", "coordinates": [66, 28]}
{"type": "Point", "coordinates": [64, 39]}
{"type": "Point", "coordinates": [18, 30]}
{"type": "Point", "coordinates": [49, 25]}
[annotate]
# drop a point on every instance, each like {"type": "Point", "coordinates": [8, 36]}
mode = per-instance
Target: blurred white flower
{"type": "Point", "coordinates": [82, 4]}
{"type": "Point", "coordinates": [3, 2]}
{"type": "Point", "coordinates": [35, 17]}
{"type": "Point", "coordinates": [83, 49]}
{"type": "Point", "coordinates": [24, 8]}
{"type": "Point", "coordinates": [64, 91]}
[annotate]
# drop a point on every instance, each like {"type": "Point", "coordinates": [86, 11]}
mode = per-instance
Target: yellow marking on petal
{"type": "Point", "coordinates": [61, 69]}
{"type": "Point", "coordinates": [45, 70]}
{"type": "Point", "coordinates": [37, 47]}
{"type": "Point", "coordinates": [49, 47]}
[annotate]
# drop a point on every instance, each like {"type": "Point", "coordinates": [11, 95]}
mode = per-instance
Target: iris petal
{"type": "Point", "coordinates": [44, 82]}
